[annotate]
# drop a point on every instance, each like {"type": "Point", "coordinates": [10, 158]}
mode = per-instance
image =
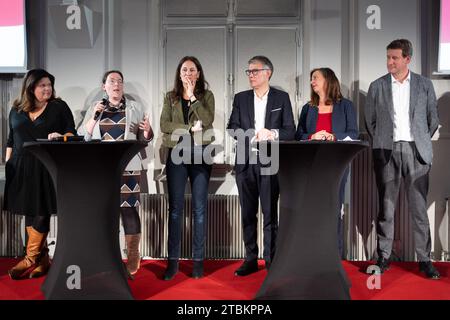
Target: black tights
{"type": "Point", "coordinates": [130, 220]}
{"type": "Point", "coordinates": [39, 223]}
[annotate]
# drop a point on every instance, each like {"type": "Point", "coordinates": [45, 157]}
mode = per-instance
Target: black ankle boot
{"type": "Point", "coordinates": [197, 271]}
{"type": "Point", "coordinates": [172, 269]}
{"type": "Point", "coordinates": [247, 267]}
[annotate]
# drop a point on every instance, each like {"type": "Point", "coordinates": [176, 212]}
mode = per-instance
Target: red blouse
{"type": "Point", "coordinates": [323, 123]}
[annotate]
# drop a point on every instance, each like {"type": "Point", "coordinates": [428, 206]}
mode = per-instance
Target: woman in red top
{"type": "Point", "coordinates": [328, 116]}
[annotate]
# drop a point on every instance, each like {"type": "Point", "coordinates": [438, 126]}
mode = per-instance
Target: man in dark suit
{"type": "Point", "coordinates": [401, 117]}
{"type": "Point", "coordinates": [263, 114]}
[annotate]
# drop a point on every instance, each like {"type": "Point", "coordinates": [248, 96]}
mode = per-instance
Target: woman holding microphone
{"type": "Point", "coordinates": [116, 119]}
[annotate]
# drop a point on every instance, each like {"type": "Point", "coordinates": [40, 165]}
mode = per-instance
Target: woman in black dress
{"type": "Point", "coordinates": [29, 191]}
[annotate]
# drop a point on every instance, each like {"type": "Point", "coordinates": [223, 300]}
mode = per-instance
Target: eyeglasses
{"type": "Point", "coordinates": [254, 72]}
{"type": "Point", "coordinates": [113, 82]}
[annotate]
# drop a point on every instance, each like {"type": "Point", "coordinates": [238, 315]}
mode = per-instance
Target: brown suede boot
{"type": "Point", "coordinates": [35, 244]}
{"type": "Point", "coordinates": [43, 264]}
{"type": "Point", "coordinates": [133, 256]}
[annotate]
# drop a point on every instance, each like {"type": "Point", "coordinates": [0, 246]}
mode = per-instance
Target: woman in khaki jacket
{"type": "Point", "coordinates": [186, 124]}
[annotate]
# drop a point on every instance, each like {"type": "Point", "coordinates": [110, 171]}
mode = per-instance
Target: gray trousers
{"type": "Point", "coordinates": [404, 164]}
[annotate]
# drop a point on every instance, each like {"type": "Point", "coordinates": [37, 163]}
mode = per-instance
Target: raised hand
{"type": "Point", "coordinates": [145, 126]}
{"type": "Point", "coordinates": [98, 108]}
{"type": "Point", "coordinates": [189, 85]}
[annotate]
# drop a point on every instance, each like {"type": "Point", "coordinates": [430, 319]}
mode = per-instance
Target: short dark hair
{"type": "Point", "coordinates": [332, 89]}
{"type": "Point", "coordinates": [107, 73]}
{"type": "Point", "coordinates": [404, 44]}
{"type": "Point", "coordinates": [263, 60]}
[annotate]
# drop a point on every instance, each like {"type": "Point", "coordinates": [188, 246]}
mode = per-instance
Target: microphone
{"type": "Point", "coordinates": [105, 102]}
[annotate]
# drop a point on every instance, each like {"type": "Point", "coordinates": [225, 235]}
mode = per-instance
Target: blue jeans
{"type": "Point", "coordinates": [177, 175]}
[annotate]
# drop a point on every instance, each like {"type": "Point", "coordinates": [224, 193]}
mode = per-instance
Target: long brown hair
{"type": "Point", "coordinates": [332, 87]}
{"type": "Point", "coordinates": [200, 86]}
{"type": "Point", "coordinates": [26, 102]}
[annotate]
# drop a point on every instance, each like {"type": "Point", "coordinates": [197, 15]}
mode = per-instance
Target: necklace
{"type": "Point", "coordinates": [35, 114]}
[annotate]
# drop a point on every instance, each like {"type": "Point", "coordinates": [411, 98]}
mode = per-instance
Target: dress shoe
{"type": "Point", "coordinates": [248, 267]}
{"type": "Point", "coordinates": [197, 271]}
{"type": "Point", "coordinates": [382, 264]}
{"type": "Point", "coordinates": [172, 269]}
{"type": "Point", "coordinates": [429, 270]}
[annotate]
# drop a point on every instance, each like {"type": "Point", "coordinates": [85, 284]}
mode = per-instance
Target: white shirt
{"type": "Point", "coordinates": [401, 101]}
{"type": "Point", "coordinates": [260, 111]}
{"type": "Point", "coordinates": [260, 114]}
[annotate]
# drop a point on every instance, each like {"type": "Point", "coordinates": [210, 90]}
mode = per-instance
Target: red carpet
{"type": "Point", "coordinates": [401, 282]}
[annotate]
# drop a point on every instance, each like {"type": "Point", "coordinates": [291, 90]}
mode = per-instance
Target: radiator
{"type": "Point", "coordinates": [224, 227]}
{"type": "Point", "coordinates": [223, 240]}
{"type": "Point", "coordinates": [11, 234]}
{"type": "Point", "coordinates": [444, 232]}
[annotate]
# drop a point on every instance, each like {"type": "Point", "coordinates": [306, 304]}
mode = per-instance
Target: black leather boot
{"type": "Point", "coordinates": [172, 269]}
{"type": "Point", "coordinates": [197, 271]}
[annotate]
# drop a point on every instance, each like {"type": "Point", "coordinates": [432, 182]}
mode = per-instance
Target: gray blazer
{"type": "Point", "coordinates": [379, 115]}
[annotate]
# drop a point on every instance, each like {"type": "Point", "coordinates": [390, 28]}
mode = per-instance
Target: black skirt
{"type": "Point", "coordinates": [29, 188]}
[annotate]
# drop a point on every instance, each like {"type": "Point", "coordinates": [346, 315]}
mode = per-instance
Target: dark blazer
{"type": "Point", "coordinates": [278, 116]}
{"type": "Point", "coordinates": [343, 121]}
{"type": "Point", "coordinates": [423, 115]}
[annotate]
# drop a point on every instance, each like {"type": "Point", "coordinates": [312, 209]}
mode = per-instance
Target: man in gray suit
{"type": "Point", "coordinates": [401, 117]}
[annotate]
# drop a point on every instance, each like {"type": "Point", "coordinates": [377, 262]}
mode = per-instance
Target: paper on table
{"type": "Point", "coordinates": [349, 139]}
